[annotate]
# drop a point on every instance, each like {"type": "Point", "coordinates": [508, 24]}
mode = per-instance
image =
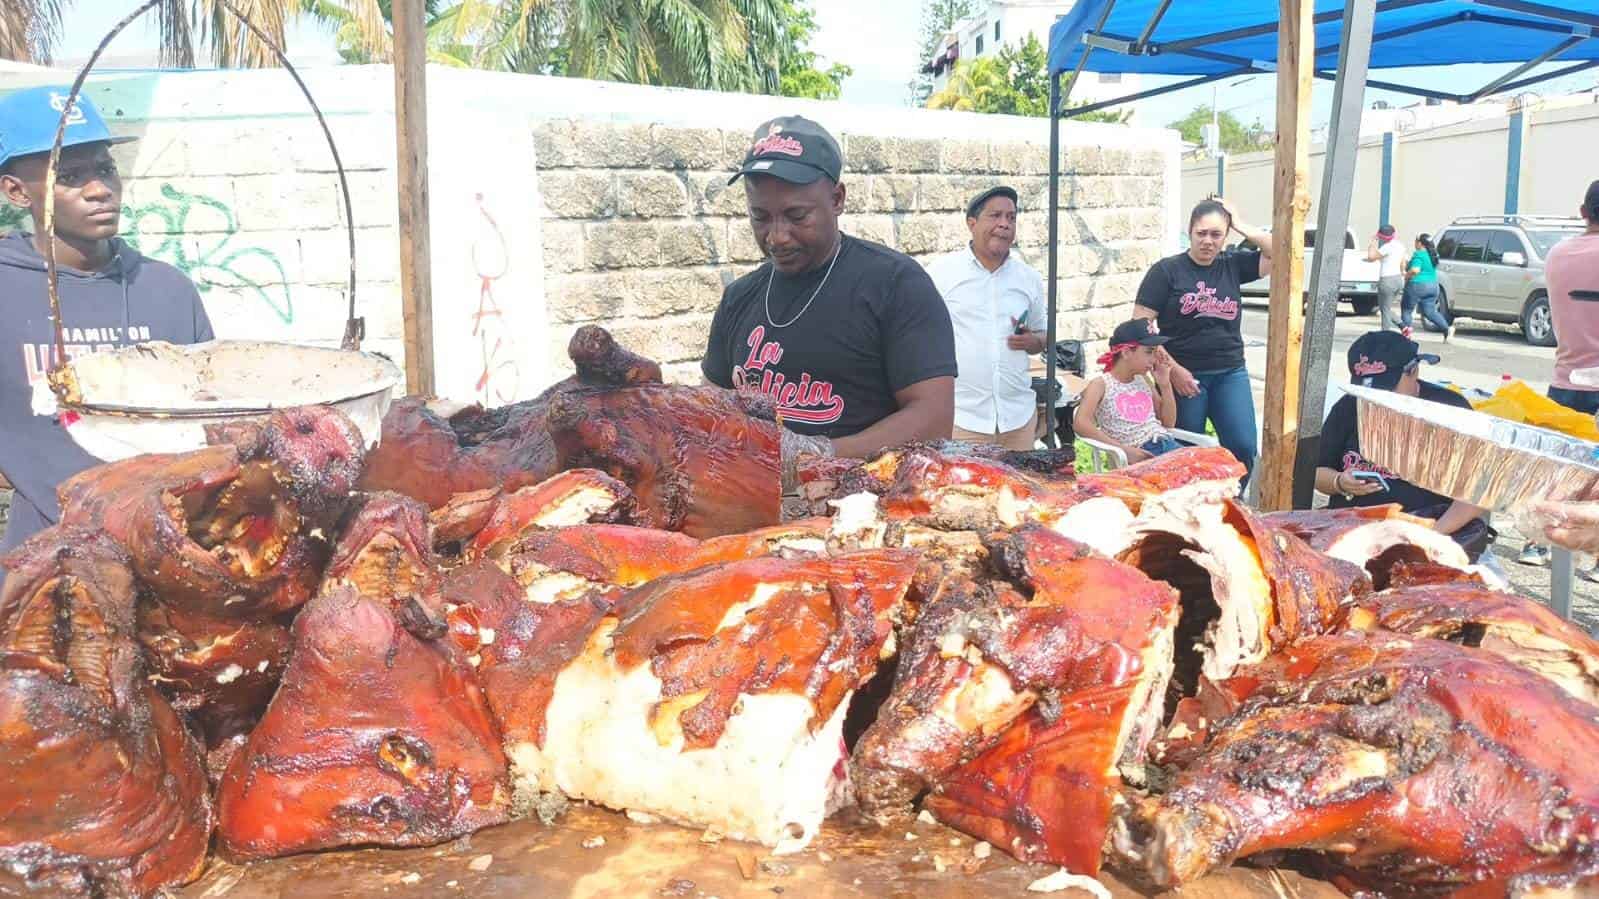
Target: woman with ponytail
{"type": "Point", "coordinates": [1422, 291]}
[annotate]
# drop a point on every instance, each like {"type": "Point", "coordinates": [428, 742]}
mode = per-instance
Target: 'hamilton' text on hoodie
{"type": "Point", "coordinates": [134, 300]}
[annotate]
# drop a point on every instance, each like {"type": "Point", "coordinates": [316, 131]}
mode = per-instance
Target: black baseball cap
{"type": "Point", "coordinates": [1379, 359]}
{"type": "Point", "coordinates": [976, 205]}
{"type": "Point", "coordinates": [792, 148]}
{"type": "Point", "coordinates": [1142, 331]}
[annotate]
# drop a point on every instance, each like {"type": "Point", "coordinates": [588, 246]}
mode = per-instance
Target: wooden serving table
{"type": "Point", "coordinates": [625, 860]}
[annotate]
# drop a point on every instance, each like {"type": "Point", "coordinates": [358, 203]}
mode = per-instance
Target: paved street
{"type": "Point", "coordinates": [1479, 355]}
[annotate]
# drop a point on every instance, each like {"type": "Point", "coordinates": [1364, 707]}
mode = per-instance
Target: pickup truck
{"type": "Point", "coordinates": [1357, 283]}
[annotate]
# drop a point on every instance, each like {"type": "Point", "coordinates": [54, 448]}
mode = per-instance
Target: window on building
{"type": "Point", "coordinates": [996, 32]}
{"type": "Point", "coordinates": [979, 50]}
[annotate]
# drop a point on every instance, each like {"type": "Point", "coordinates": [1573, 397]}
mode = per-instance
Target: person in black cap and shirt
{"type": "Point", "coordinates": [1387, 360]}
{"type": "Point", "coordinates": [849, 338]}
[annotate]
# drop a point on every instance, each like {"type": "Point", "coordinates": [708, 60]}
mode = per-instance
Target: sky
{"type": "Point", "coordinates": [880, 40]}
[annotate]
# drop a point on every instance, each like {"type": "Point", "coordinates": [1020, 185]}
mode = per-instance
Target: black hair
{"type": "Point", "coordinates": [1209, 207]}
{"type": "Point", "coordinates": [1426, 244]}
{"type": "Point", "coordinates": [1590, 203]}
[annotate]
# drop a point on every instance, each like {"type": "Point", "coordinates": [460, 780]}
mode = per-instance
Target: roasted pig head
{"type": "Point", "coordinates": [433, 450]}
{"type": "Point", "coordinates": [220, 672]}
{"type": "Point", "coordinates": [1017, 698]}
{"type": "Point", "coordinates": [1519, 630]}
{"type": "Point", "coordinates": [385, 548]}
{"type": "Point", "coordinates": [225, 532]}
{"type": "Point", "coordinates": [406, 754]}
{"type": "Point", "coordinates": [1411, 767]}
{"type": "Point", "coordinates": [1374, 537]}
{"type": "Point", "coordinates": [494, 523]}
{"type": "Point", "coordinates": [101, 788]}
{"type": "Point", "coordinates": [696, 458]}
{"type": "Point", "coordinates": [716, 698]}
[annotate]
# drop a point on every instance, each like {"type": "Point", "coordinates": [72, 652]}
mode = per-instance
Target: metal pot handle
{"type": "Point", "coordinates": [354, 327]}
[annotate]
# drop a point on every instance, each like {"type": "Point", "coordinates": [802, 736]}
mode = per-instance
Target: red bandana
{"type": "Point", "coordinates": [1108, 361]}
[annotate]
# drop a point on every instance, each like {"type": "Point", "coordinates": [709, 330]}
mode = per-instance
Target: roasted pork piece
{"type": "Point", "coordinates": [700, 460]}
{"type": "Point", "coordinates": [1374, 537]}
{"type": "Point", "coordinates": [101, 787]}
{"type": "Point", "coordinates": [379, 732]}
{"type": "Point", "coordinates": [1523, 632]}
{"type": "Point", "coordinates": [434, 450]}
{"type": "Point", "coordinates": [1410, 767]}
{"type": "Point", "coordinates": [714, 698]}
{"type": "Point", "coordinates": [1017, 696]}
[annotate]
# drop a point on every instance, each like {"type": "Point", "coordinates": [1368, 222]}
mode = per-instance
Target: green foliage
{"type": "Point", "coordinates": [1236, 137]}
{"type": "Point", "coordinates": [800, 76]}
{"type": "Point", "coordinates": [1014, 81]}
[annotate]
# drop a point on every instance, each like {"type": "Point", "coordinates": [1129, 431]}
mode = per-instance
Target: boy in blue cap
{"type": "Point", "coordinates": [111, 296]}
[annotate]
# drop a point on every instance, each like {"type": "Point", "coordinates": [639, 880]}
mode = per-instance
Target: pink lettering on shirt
{"type": "Point", "coordinates": [1203, 303]}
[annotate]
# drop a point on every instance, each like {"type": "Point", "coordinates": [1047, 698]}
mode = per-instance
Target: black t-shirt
{"type": "Point", "coordinates": [1199, 307]}
{"type": "Point", "coordinates": [877, 326]}
{"type": "Point", "coordinates": [1340, 451]}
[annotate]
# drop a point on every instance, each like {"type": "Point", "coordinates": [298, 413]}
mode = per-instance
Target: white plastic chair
{"type": "Point", "coordinates": [1105, 457]}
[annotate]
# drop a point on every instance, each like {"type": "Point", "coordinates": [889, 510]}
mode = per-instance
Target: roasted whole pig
{"type": "Point", "coordinates": [379, 732]}
{"type": "Point", "coordinates": [1523, 632]}
{"type": "Point", "coordinates": [434, 450]}
{"type": "Point", "coordinates": [714, 698]}
{"type": "Point", "coordinates": [1411, 767]}
{"type": "Point", "coordinates": [101, 787]}
{"type": "Point", "coordinates": [1017, 697]}
{"type": "Point", "coordinates": [1374, 537]}
{"type": "Point", "coordinates": [701, 460]}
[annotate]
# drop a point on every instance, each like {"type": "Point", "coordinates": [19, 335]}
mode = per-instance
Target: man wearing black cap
{"type": "Point", "coordinates": [1387, 360]}
{"type": "Point", "coordinates": [849, 338]}
{"type": "Point", "coordinates": [996, 303]}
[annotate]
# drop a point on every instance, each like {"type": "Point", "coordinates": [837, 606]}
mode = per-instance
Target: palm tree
{"type": "Point", "coordinates": [29, 29]}
{"type": "Point", "coordinates": [363, 30]}
{"type": "Point", "coordinates": [975, 86]}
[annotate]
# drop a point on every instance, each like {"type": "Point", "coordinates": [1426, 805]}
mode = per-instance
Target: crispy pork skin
{"type": "Point", "coordinates": [101, 788]}
{"type": "Point", "coordinates": [1412, 767]}
{"type": "Point", "coordinates": [407, 755]}
{"type": "Point", "coordinates": [1523, 632]}
{"type": "Point", "coordinates": [494, 523]}
{"type": "Point", "coordinates": [716, 697]}
{"type": "Point", "coordinates": [1018, 695]}
{"type": "Point", "coordinates": [1374, 537]}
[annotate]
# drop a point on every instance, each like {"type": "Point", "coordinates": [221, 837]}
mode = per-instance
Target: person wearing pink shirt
{"type": "Point", "coordinates": [1572, 271]}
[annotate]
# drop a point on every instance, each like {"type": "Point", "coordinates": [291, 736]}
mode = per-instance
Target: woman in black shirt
{"type": "Point", "coordinates": [1195, 299]}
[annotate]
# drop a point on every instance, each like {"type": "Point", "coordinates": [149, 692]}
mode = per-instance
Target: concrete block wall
{"type": "Point", "coordinates": [642, 231]}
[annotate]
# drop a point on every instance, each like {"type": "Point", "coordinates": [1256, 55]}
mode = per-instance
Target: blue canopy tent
{"type": "Point", "coordinates": [1210, 40]}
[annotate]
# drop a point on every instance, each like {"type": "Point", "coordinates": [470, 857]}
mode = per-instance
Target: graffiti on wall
{"type": "Point", "coordinates": [500, 377]}
{"type": "Point", "coordinates": [196, 233]}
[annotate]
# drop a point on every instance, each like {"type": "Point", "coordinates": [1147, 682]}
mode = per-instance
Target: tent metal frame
{"type": "Point", "coordinates": [1350, 77]}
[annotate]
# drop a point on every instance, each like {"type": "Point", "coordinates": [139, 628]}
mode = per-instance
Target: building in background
{"type": "Point", "coordinates": [1001, 22]}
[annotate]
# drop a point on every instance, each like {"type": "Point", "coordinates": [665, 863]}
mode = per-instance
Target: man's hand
{"type": "Point", "coordinates": [1574, 526]}
{"type": "Point", "coordinates": [792, 447]}
{"type": "Point", "coordinates": [1031, 342]}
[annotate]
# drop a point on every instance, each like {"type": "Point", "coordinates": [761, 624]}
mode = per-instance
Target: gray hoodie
{"type": "Point", "coordinates": [134, 300]}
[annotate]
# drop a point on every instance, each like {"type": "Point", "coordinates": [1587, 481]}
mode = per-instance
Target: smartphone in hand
{"type": "Point", "coordinates": [1370, 476]}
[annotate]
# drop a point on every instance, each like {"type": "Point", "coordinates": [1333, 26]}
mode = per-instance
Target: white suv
{"type": "Point", "coordinates": [1491, 267]}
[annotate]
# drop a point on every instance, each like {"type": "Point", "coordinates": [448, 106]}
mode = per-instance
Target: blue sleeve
{"type": "Point", "coordinates": [202, 321]}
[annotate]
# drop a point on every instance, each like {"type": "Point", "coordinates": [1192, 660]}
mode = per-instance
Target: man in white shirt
{"type": "Point", "coordinates": [1390, 252]}
{"type": "Point", "coordinates": [996, 303]}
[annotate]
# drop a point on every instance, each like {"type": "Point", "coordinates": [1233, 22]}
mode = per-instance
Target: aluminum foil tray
{"type": "Point", "coordinates": [1470, 456]}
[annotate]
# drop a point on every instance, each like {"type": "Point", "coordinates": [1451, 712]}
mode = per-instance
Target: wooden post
{"type": "Point", "coordinates": [410, 122]}
{"type": "Point", "coordinates": [1291, 201]}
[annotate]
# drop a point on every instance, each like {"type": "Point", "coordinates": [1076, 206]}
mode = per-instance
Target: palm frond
{"type": "Point", "coordinates": [29, 29]}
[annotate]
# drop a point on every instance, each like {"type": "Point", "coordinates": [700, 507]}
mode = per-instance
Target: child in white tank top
{"type": "Point", "coordinates": [1132, 404]}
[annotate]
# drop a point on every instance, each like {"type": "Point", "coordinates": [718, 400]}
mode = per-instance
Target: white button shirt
{"type": "Point", "coordinates": [994, 391]}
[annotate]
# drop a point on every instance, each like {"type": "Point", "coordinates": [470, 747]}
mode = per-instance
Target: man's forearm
{"type": "Point", "coordinates": [1457, 516]}
{"type": "Point", "coordinates": [913, 422]}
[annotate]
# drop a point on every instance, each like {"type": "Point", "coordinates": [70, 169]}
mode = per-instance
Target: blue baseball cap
{"type": "Point", "coordinates": [28, 120]}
